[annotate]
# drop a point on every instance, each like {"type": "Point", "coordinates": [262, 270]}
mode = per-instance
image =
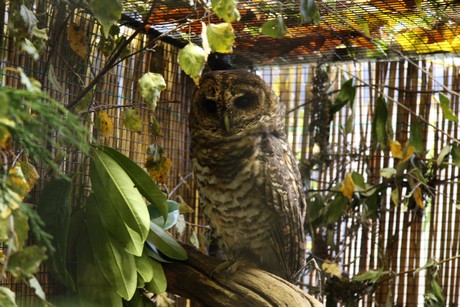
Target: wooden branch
{"type": "Point", "coordinates": [248, 286]}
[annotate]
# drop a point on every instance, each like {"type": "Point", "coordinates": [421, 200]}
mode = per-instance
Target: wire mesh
{"type": "Point", "coordinates": [402, 238]}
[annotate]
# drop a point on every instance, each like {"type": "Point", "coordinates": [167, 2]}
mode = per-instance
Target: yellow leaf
{"type": "Point", "coordinates": [30, 174]}
{"type": "Point", "coordinates": [105, 124]}
{"type": "Point", "coordinates": [331, 267]}
{"type": "Point", "coordinates": [4, 137]}
{"type": "Point", "coordinates": [158, 170]}
{"type": "Point", "coordinates": [408, 153]}
{"type": "Point", "coordinates": [396, 149]}
{"type": "Point", "coordinates": [418, 198]}
{"type": "Point", "coordinates": [78, 40]}
{"type": "Point", "coordinates": [348, 186]}
{"type": "Point", "coordinates": [17, 181]}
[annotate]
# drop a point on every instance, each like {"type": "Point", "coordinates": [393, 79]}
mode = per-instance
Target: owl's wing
{"type": "Point", "coordinates": [284, 192]}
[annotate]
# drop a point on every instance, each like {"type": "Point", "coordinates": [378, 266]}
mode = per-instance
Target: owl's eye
{"type": "Point", "coordinates": [246, 101]}
{"type": "Point", "coordinates": [209, 106]}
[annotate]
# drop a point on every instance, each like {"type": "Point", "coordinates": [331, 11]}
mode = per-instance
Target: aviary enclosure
{"type": "Point", "coordinates": [371, 90]}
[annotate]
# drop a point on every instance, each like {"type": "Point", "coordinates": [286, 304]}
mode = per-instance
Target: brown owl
{"type": "Point", "coordinates": [247, 176]}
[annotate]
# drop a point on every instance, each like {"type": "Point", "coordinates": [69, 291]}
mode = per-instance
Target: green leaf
{"type": "Point", "coordinates": [154, 253]}
{"type": "Point", "coordinates": [372, 204]}
{"type": "Point", "coordinates": [158, 284]}
{"type": "Point", "coordinates": [144, 266]}
{"type": "Point", "coordinates": [395, 198]}
{"type": "Point", "coordinates": [150, 85]}
{"type": "Point", "coordinates": [429, 264]}
{"type": "Point", "coordinates": [309, 11]}
{"type": "Point", "coordinates": [349, 124]}
{"type": "Point", "coordinates": [34, 284]}
{"type": "Point", "coordinates": [347, 94]}
{"type": "Point", "coordinates": [117, 266]}
{"type": "Point", "coordinates": [388, 172]}
{"type": "Point", "coordinates": [173, 215]}
{"type": "Point", "coordinates": [220, 37]}
{"type": "Point", "coordinates": [124, 210]}
{"type": "Point", "coordinates": [24, 263]}
{"type": "Point", "coordinates": [166, 243]}
{"type": "Point", "coordinates": [358, 179]}
{"type": "Point", "coordinates": [442, 155]}
{"type": "Point", "coordinates": [191, 59]}
{"type": "Point", "coordinates": [54, 208]}
{"type": "Point", "coordinates": [455, 152]}
{"type": "Point", "coordinates": [194, 240]}
{"type": "Point", "coordinates": [28, 47]}
{"type": "Point", "coordinates": [113, 219]}
{"type": "Point", "coordinates": [275, 28]}
{"type": "Point", "coordinates": [371, 276]}
{"type": "Point", "coordinates": [379, 124]}
{"type": "Point", "coordinates": [437, 291]}
{"type": "Point", "coordinates": [444, 102]}
{"type": "Point", "coordinates": [53, 80]}
{"type": "Point", "coordinates": [21, 229]}
{"type": "Point", "coordinates": [93, 288]}
{"type": "Point", "coordinates": [107, 12]}
{"type": "Point", "coordinates": [226, 9]}
{"type": "Point", "coordinates": [132, 120]}
{"type": "Point", "coordinates": [315, 205]}
{"type": "Point", "coordinates": [336, 208]}
{"type": "Point", "coordinates": [416, 139]}
{"type": "Point", "coordinates": [141, 179]}
{"type": "Point", "coordinates": [29, 18]}
{"type": "Point", "coordinates": [7, 297]}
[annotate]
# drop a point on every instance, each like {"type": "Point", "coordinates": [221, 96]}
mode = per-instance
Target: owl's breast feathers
{"type": "Point", "coordinates": [250, 190]}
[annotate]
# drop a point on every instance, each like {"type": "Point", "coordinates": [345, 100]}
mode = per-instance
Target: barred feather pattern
{"type": "Point", "coordinates": [247, 176]}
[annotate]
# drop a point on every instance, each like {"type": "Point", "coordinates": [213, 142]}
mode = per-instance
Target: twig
{"type": "Point", "coordinates": [182, 182]}
{"type": "Point", "coordinates": [404, 107]}
{"type": "Point", "coordinates": [112, 60]}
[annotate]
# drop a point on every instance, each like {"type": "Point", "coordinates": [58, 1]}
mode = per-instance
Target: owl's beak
{"type": "Point", "coordinates": [226, 121]}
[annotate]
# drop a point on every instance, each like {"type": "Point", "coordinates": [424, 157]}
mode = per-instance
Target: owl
{"type": "Point", "coordinates": [247, 177]}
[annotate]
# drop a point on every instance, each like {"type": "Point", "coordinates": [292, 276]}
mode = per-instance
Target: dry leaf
{"type": "Point", "coordinates": [105, 124]}
{"type": "Point", "coordinates": [164, 301]}
{"type": "Point", "coordinates": [78, 40]}
{"type": "Point", "coordinates": [4, 137]}
{"type": "Point", "coordinates": [417, 196]}
{"type": "Point", "coordinates": [158, 170]}
{"type": "Point", "coordinates": [348, 187]}
{"type": "Point", "coordinates": [395, 196]}
{"type": "Point", "coordinates": [396, 149]}
{"type": "Point", "coordinates": [17, 181]}
{"type": "Point", "coordinates": [408, 153]}
{"type": "Point", "coordinates": [331, 267]}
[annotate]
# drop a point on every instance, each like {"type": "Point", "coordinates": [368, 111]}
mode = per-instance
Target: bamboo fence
{"type": "Point", "coordinates": [399, 240]}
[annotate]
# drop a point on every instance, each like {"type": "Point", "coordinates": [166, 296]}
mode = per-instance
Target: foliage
{"type": "Point", "coordinates": [409, 184]}
{"type": "Point", "coordinates": [111, 247]}
{"type": "Point", "coordinates": [23, 112]}
{"type": "Point", "coordinates": [117, 241]}
{"type": "Point", "coordinates": [150, 85]}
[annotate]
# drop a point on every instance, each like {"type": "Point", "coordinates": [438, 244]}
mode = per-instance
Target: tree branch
{"type": "Point", "coordinates": [248, 286]}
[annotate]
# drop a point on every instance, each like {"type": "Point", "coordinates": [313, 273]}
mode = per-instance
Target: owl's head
{"type": "Point", "coordinates": [233, 103]}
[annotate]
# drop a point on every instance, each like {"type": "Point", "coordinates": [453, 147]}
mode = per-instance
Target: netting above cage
{"type": "Point", "coordinates": [343, 30]}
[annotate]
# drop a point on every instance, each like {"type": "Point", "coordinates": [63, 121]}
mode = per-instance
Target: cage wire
{"type": "Point", "coordinates": [400, 239]}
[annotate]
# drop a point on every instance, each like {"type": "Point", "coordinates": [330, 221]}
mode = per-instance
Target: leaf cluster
{"type": "Point", "coordinates": [115, 239]}
{"type": "Point", "coordinates": [24, 112]}
{"type": "Point", "coordinates": [409, 183]}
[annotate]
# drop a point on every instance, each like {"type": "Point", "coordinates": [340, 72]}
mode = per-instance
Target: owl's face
{"type": "Point", "coordinates": [233, 103]}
